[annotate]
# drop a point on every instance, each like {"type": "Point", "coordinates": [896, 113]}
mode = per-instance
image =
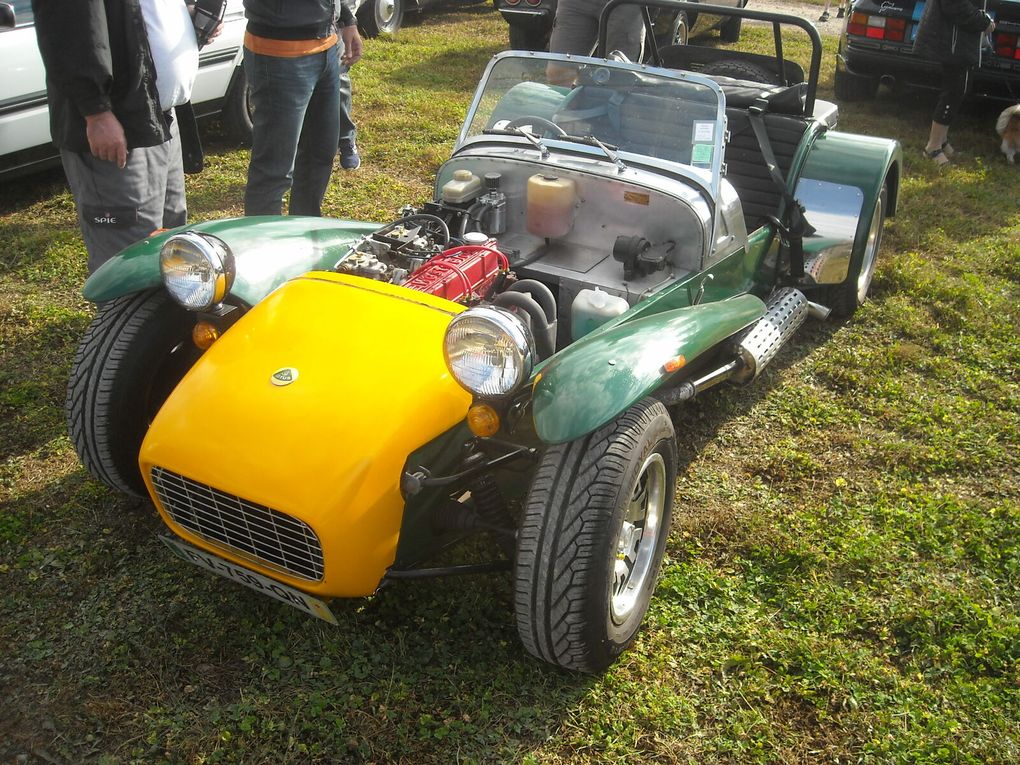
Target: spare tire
{"type": "Point", "coordinates": [742, 70]}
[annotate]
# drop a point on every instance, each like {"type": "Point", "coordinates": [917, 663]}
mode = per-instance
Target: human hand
{"type": "Point", "coordinates": [215, 33]}
{"type": "Point", "coordinates": [106, 138]}
{"type": "Point", "coordinates": [352, 45]}
{"type": "Point", "coordinates": [991, 28]}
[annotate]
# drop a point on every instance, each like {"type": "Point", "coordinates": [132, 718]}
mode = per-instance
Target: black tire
{"type": "Point", "coordinates": [742, 70]}
{"type": "Point", "coordinates": [844, 299]}
{"type": "Point", "coordinates": [238, 110]}
{"type": "Point", "coordinates": [729, 31]}
{"type": "Point", "coordinates": [854, 87]}
{"type": "Point", "coordinates": [381, 17]}
{"type": "Point", "coordinates": [133, 354]}
{"type": "Point", "coordinates": [531, 34]}
{"type": "Point", "coordinates": [680, 29]}
{"type": "Point", "coordinates": [574, 604]}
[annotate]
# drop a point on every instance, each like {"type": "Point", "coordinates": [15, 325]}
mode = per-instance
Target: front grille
{"type": "Point", "coordinates": [269, 536]}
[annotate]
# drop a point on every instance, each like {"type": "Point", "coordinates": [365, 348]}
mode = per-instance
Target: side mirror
{"type": "Point", "coordinates": [6, 16]}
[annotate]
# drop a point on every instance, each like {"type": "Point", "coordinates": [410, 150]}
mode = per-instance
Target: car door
{"type": "Point", "coordinates": [24, 116]}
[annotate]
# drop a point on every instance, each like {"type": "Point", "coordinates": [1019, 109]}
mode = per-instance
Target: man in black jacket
{"type": "Point", "coordinates": [292, 57]}
{"type": "Point", "coordinates": [114, 71]}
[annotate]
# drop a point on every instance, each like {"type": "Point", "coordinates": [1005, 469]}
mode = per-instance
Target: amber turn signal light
{"type": "Point", "coordinates": [482, 420]}
{"type": "Point", "coordinates": [675, 364]}
{"type": "Point", "coordinates": [204, 334]}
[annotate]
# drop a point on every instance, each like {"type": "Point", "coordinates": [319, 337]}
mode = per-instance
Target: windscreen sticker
{"type": "Point", "coordinates": [701, 154]}
{"type": "Point", "coordinates": [704, 132]}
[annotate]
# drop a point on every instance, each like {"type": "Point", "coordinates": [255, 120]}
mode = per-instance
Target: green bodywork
{"type": "Point", "coordinates": [268, 250]}
{"type": "Point", "coordinates": [579, 390]}
{"type": "Point", "coordinates": [598, 377]}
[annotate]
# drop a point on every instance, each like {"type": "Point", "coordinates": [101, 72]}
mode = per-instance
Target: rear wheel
{"type": "Point", "coordinates": [729, 32]}
{"type": "Point", "coordinates": [381, 17]}
{"type": "Point", "coordinates": [132, 356]}
{"type": "Point", "coordinates": [592, 537]}
{"type": "Point", "coordinates": [854, 87]}
{"type": "Point", "coordinates": [530, 34]}
{"type": "Point", "coordinates": [742, 70]}
{"type": "Point", "coordinates": [238, 109]}
{"type": "Point", "coordinates": [844, 299]}
{"type": "Point", "coordinates": [680, 30]}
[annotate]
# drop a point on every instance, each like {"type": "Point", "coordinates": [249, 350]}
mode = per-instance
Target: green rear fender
{"type": "Point", "coordinates": [268, 250]}
{"type": "Point", "coordinates": [849, 165]}
{"type": "Point", "coordinates": [598, 377]}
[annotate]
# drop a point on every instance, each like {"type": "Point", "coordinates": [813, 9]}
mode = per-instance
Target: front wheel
{"type": "Point", "coordinates": [381, 17]}
{"type": "Point", "coordinates": [592, 537]}
{"type": "Point", "coordinates": [844, 299]}
{"type": "Point", "coordinates": [133, 354]}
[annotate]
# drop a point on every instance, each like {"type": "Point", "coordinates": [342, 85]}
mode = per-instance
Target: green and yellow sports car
{"type": "Point", "coordinates": [317, 407]}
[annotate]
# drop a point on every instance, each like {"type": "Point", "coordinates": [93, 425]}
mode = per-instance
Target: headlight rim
{"type": "Point", "coordinates": [216, 253]}
{"type": "Point", "coordinates": [519, 333]}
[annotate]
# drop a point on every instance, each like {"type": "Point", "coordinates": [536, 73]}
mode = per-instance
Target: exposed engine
{"type": "Point", "coordinates": [415, 251]}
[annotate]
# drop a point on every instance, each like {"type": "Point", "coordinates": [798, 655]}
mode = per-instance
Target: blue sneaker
{"type": "Point", "coordinates": [349, 157]}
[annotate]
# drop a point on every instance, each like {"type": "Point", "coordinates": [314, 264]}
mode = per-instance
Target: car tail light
{"type": "Point", "coordinates": [1006, 45]}
{"type": "Point", "coordinates": [533, 2]}
{"type": "Point", "coordinates": [877, 27]}
{"type": "Point", "coordinates": [511, 2]}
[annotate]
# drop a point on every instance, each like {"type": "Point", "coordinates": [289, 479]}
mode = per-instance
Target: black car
{"type": "Point", "coordinates": [531, 23]}
{"type": "Point", "coordinates": [877, 46]}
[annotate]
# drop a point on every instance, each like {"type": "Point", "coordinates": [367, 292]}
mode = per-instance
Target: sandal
{"type": "Point", "coordinates": [948, 150]}
{"type": "Point", "coordinates": [938, 156]}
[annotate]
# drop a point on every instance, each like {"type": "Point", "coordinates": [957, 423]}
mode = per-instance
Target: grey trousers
{"type": "Point", "coordinates": [576, 26]}
{"type": "Point", "coordinates": [119, 207]}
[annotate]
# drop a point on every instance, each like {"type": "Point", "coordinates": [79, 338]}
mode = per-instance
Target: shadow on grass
{"type": "Point", "coordinates": [33, 381]}
{"type": "Point", "coordinates": [117, 636]}
{"type": "Point", "coordinates": [23, 192]}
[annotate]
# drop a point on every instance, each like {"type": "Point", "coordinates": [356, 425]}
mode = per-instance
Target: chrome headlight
{"type": "Point", "coordinates": [197, 269]}
{"type": "Point", "coordinates": [489, 351]}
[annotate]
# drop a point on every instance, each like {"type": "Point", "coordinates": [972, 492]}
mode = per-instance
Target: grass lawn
{"type": "Point", "coordinates": [841, 582]}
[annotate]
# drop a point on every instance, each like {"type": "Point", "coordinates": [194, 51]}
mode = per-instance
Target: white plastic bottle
{"type": "Point", "coordinates": [593, 308]}
{"type": "Point", "coordinates": [463, 187]}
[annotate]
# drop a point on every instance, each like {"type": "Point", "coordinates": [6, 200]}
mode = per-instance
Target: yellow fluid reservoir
{"type": "Point", "coordinates": [551, 203]}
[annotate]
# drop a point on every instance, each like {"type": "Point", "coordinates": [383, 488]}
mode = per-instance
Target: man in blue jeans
{"type": "Point", "coordinates": [349, 157]}
{"type": "Point", "coordinates": [293, 53]}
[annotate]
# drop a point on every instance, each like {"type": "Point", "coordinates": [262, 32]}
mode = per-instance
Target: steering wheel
{"type": "Point", "coordinates": [432, 225]}
{"type": "Point", "coordinates": [520, 122]}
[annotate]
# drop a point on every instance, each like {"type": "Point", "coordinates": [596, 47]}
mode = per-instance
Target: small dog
{"type": "Point", "coordinates": [1008, 126]}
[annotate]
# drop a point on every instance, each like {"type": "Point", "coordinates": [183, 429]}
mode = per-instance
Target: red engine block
{"type": "Point", "coordinates": [460, 273]}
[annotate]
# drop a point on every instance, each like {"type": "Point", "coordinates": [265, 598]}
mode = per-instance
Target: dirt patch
{"type": "Point", "coordinates": [810, 11]}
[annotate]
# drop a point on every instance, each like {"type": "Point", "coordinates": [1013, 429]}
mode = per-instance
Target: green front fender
{"type": "Point", "coordinates": [598, 377]}
{"type": "Point", "coordinates": [268, 250]}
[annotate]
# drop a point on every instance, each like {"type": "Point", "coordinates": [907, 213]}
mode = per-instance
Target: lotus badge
{"type": "Point", "coordinates": [284, 376]}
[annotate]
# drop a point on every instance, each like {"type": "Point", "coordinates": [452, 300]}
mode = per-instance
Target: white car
{"type": "Point", "coordinates": [24, 116]}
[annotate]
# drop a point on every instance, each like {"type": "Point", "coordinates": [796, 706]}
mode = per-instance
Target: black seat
{"type": "Point", "coordinates": [746, 169]}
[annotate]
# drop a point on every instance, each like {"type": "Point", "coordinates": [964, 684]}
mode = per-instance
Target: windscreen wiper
{"type": "Point", "coordinates": [534, 139]}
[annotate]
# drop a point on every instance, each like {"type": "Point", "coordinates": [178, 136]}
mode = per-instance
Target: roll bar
{"type": "Point", "coordinates": [776, 19]}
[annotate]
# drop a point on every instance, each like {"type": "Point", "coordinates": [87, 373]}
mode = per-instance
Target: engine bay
{"type": "Point", "coordinates": [567, 249]}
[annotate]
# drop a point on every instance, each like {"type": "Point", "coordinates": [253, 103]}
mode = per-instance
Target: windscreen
{"type": "Point", "coordinates": [672, 118]}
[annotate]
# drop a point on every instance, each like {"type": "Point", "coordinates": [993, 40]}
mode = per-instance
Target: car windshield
{"type": "Point", "coordinates": [618, 109]}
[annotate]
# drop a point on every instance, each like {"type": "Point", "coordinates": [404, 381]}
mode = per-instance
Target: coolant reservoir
{"type": "Point", "coordinates": [551, 202]}
{"type": "Point", "coordinates": [464, 186]}
{"type": "Point", "coordinates": [593, 308]}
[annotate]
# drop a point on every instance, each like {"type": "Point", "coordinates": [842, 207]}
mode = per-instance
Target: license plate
{"type": "Point", "coordinates": [257, 582]}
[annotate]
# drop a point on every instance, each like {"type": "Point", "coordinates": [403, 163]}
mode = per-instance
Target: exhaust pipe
{"type": "Point", "coordinates": [785, 311]}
